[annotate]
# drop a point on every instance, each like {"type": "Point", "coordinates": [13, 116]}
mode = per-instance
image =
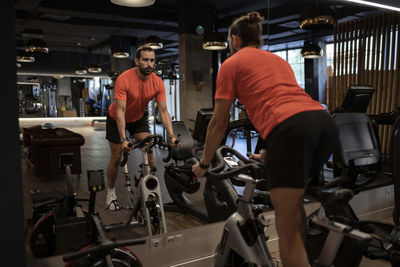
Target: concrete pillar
{"type": "Point", "coordinates": [195, 63]}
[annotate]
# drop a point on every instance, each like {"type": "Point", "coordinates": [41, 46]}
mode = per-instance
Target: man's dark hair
{"type": "Point", "coordinates": [248, 28]}
{"type": "Point", "coordinates": [142, 48]}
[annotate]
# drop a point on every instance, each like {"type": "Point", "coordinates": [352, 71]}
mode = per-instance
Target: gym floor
{"type": "Point", "coordinates": [95, 155]}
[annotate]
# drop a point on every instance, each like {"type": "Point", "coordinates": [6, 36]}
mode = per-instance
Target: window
{"type": "Point", "coordinates": [296, 61]}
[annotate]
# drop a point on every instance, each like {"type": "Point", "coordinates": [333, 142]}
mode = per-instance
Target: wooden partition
{"type": "Point", "coordinates": [367, 51]}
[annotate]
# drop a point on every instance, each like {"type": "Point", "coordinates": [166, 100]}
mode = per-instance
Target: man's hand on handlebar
{"type": "Point", "coordinates": [259, 157]}
{"type": "Point", "coordinates": [174, 142]}
{"type": "Point", "coordinates": [125, 147]}
{"type": "Point", "coordinates": [199, 172]}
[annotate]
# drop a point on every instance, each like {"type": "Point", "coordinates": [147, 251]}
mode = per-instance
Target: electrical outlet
{"type": "Point", "coordinates": [155, 243]}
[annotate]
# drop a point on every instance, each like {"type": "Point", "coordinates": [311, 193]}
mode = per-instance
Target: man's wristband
{"type": "Point", "coordinates": [203, 166]}
{"type": "Point", "coordinates": [171, 136]}
{"type": "Point", "coordinates": [124, 139]}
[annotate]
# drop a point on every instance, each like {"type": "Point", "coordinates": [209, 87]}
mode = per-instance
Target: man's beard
{"type": "Point", "coordinates": [146, 71]}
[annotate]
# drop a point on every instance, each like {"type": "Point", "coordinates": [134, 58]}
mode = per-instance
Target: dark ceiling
{"type": "Point", "coordinates": [91, 26]}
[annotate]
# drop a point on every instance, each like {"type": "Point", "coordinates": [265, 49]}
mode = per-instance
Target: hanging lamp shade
{"type": "Point", "coordinates": [36, 45]}
{"type": "Point", "coordinates": [33, 79]}
{"type": "Point", "coordinates": [80, 71]}
{"type": "Point", "coordinates": [214, 41]}
{"type": "Point", "coordinates": [311, 50]}
{"type": "Point", "coordinates": [133, 3]}
{"type": "Point", "coordinates": [25, 57]}
{"type": "Point", "coordinates": [120, 53]}
{"type": "Point", "coordinates": [317, 18]}
{"type": "Point", "coordinates": [154, 42]}
{"type": "Point", "coordinates": [94, 68]}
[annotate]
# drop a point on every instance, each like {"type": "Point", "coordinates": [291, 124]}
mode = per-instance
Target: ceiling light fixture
{"type": "Point", "coordinates": [317, 18]}
{"type": "Point", "coordinates": [36, 45]}
{"type": "Point", "coordinates": [120, 53]}
{"type": "Point", "coordinates": [25, 58]}
{"type": "Point", "coordinates": [133, 3]}
{"type": "Point", "coordinates": [94, 68]}
{"type": "Point", "coordinates": [154, 42]}
{"type": "Point", "coordinates": [80, 71]}
{"type": "Point", "coordinates": [33, 79]}
{"type": "Point", "coordinates": [214, 41]}
{"type": "Point", "coordinates": [374, 4]}
{"type": "Point", "coordinates": [310, 50]}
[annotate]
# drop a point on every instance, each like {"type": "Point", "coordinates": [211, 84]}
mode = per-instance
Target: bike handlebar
{"type": "Point", "coordinates": [149, 142]}
{"type": "Point", "coordinates": [247, 165]}
{"type": "Point", "coordinates": [102, 248]}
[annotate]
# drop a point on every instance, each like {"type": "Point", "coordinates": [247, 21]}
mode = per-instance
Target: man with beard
{"type": "Point", "coordinates": [299, 134]}
{"type": "Point", "coordinates": [134, 89]}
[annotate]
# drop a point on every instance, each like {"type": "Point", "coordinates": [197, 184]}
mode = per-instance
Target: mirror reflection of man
{"type": "Point", "coordinates": [134, 89]}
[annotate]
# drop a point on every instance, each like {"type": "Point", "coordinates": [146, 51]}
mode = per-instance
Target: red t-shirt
{"type": "Point", "coordinates": [137, 94]}
{"type": "Point", "coordinates": [265, 84]}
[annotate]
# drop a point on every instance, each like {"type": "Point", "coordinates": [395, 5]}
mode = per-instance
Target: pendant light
{"type": "Point", "coordinates": [154, 42]}
{"type": "Point", "coordinates": [120, 53]}
{"type": "Point", "coordinates": [33, 79]}
{"type": "Point", "coordinates": [214, 40]}
{"type": "Point", "coordinates": [133, 3]}
{"type": "Point", "coordinates": [25, 58]}
{"type": "Point", "coordinates": [311, 50]}
{"type": "Point", "coordinates": [36, 45]}
{"type": "Point", "coordinates": [80, 71]}
{"type": "Point", "coordinates": [317, 18]}
{"type": "Point", "coordinates": [94, 68]}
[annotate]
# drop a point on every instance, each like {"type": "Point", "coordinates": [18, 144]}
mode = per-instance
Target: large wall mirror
{"type": "Point", "coordinates": [42, 96]}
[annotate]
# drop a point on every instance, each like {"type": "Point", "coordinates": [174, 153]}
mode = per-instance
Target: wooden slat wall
{"type": "Point", "coordinates": [367, 51]}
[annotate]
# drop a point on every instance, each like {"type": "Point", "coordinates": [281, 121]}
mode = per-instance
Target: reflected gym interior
{"type": "Point", "coordinates": [68, 55]}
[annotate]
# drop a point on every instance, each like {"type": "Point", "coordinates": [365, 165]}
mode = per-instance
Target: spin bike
{"type": "Point", "coordinates": [220, 196]}
{"type": "Point", "coordinates": [243, 241]}
{"type": "Point", "coordinates": [55, 215]}
{"type": "Point", "coordinates": [355, 158]}
{"type": "Point", "coordinates": [146, 202]}
{"type": "Point", "coordinates": [102, 251]}
{"type": "Point", "coordinates": [61, 225]}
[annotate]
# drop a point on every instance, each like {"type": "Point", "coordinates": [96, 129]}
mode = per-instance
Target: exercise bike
{"type": "Point", "coordinates": [146, 202]}
{"type": "Point", "coordinates": [243, 241]}
{"type": "Point", "coordinates": [101, 251]}
{"type": "Point", "coordinates": [56, 215]}
{"type": "Point", "coordinates": [220, 196]}
{"type": "Point", "coordinates": [355, 157]}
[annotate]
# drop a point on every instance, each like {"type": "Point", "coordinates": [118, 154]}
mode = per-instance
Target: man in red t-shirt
{"type": "Point", "coordinates": [299, 134]}
{"type": "Point", "coordinates": [134, 89]}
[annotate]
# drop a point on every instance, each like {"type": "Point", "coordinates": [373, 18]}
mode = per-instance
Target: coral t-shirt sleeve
{"type": "Point", "coordinates": [160, 90]}
{"type": "Point", "coordinates": [120, 89]}
{"type": "Point", "coordinates": [226, 85]}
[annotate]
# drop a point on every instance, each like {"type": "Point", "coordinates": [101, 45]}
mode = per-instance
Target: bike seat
{"type": "Point", "coordinates": [43, 198]}
{"type": "Point", "coordinates": [330, 197]}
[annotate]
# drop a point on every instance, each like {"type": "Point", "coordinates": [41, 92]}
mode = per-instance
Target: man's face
{"type": "Point", "coordinates": [146, 62]}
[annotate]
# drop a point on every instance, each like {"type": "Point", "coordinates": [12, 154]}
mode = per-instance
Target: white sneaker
{"type": "Point", "coordinates": [112, 203]}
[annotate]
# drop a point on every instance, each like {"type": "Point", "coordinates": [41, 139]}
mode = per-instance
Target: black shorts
{"type": "Point", "coordinates": [298, 148]}
{"type": "Point", "coordinates": [139, 126]}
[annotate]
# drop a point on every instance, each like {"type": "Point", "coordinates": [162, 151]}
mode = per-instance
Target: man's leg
{"type": "Point", "coordinates": [287, 204]}
{"type": "Point", "coordinates": [112, 172]}
{"type": "Point", "coordinates": [139, 136]}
